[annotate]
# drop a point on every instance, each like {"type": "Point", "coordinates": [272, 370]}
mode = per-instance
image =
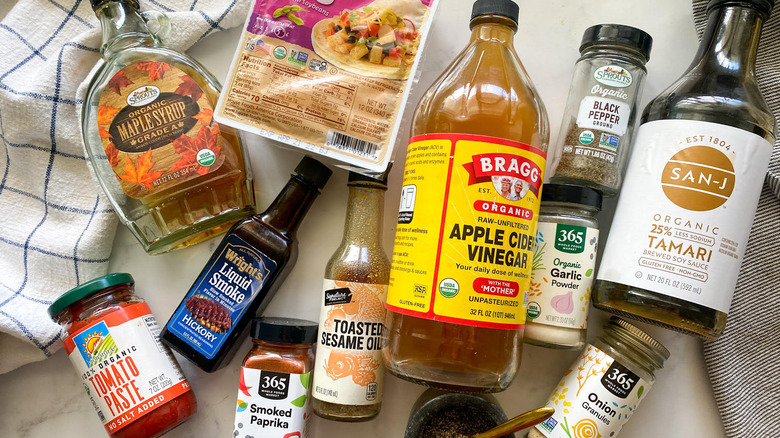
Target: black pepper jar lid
{"type": "Point", "coordinates": [86, 289]}
{"type": "Point", "coordinates": [618, 34]}
{"type": "Point", "coordinates": [571, 194]}
{"type": "Point", "coordinates": [284, 330]}
{"type": "Point", "coordinates": [763, 6]}
{"type": "Point", "coordinates": [313, 172]}
{"type": "Point", "coordinates": [506, 8]}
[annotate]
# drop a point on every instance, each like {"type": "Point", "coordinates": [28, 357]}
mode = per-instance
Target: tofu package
{"type": "Point", "coordinates": [327, 76]}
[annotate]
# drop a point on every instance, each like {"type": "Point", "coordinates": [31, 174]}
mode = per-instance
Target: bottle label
{"type": "Point", "coordinates": [348, 367]}
{"type": "Point", "coordinates": [686, 209]}
{"type": "Point", "coordinates": [595, 398]}
{"type": "Point", "coordinates": [272, 404]}
{"type": "Point", "coordinates": [221, 295]}
{"type": "Point", "coordinates": [126, 371]}
{"type": "Point", "coordinates": [464, 243]}
{"type": "Point", "coordinates": [156, 126]}
{"type": "Point", "coordinates": [561, 275]}
{"type": "Point", "coordinates": [605, 114]}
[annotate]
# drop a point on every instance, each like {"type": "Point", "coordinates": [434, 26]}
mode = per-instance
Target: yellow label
{"type": "Point", "coordinates": [464, 243]}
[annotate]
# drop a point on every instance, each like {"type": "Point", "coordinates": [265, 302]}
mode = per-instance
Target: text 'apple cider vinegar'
{"type": "Point", "coordinates": [470, 198]}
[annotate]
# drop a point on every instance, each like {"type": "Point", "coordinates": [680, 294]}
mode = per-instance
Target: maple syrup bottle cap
{"type": "Point", "coordinates": [506, 8]}
{"type": "Point", "coordinates": [284, 330]}
{"type": "Point", "coordinates": [313, 172]}
{"type": "Point", "coordinates": [96, 4]}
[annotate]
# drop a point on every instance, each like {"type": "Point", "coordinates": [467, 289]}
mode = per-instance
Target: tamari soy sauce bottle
{"type": "Point", "coordinates": [684, 215]}
{"type": "Point", "coordinates": [243, 274]}
{"type": "Point", "coordinates": [173, 175]}
{"type": "Point", "coordinates": [469, 203]}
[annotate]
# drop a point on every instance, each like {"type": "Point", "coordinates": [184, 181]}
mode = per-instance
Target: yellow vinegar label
{"type": "Point", "coordinates": [464, 243]}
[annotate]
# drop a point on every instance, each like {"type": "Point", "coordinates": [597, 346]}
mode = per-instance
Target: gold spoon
{"type": "Point", "coordinates": [527, 419]}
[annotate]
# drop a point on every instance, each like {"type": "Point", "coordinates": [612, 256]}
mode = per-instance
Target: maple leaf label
{"type": "Point", "coordinates": [200, 151]}
{"type": "Point", "coordinates": [140, 172]}
{"type": "Point", "coordinates": [118, 81]}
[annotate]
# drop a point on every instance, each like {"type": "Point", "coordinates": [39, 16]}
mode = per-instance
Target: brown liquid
{"type": "Point", "coordinates": [485, 91]}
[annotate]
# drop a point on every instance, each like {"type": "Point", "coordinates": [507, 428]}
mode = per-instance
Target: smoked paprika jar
{"type": "Point", "coordinates": [112, 339]}
{"type": "Point", "coordinates": [273, 391]}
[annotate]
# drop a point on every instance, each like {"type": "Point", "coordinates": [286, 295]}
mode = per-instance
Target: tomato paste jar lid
{"type": "Point", "coordinates": [86, 289]}
{"type": "Point", "coordinates": [284, 330]}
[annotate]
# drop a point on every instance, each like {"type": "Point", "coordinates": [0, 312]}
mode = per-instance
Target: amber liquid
{"type": "Point", "coordinates": [192, 210]}
{"type": "Point", "coordinates": [205, 206]}
{"type": "Point", "coordinates": [485, 91]}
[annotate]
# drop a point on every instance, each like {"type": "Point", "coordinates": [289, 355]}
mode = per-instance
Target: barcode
{"type": "Point", "coordinates": [345, 142]}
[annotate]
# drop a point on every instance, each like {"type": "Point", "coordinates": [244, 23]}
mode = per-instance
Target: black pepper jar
{"type": "Point", "coordinates": [593, 145]}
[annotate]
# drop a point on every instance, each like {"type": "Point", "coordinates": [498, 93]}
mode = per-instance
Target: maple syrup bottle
{"type": "Point", "coordinates": [173, 175]}
{"type": "Point", "coordinates": [243, 274]}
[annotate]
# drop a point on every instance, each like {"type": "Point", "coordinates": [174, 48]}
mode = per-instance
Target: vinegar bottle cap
{"type": "Point", "coordinates": [506, 8]}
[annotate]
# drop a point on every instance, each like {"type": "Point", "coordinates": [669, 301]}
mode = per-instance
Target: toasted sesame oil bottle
{"type": "Point", "coordinates": [470, 198]}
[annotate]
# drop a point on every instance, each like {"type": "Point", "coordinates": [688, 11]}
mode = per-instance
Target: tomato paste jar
{"type": "Point", "coordinates": [112, 339]}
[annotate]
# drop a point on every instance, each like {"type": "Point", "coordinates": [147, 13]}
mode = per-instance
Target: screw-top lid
{"type": "Point", "coordinates": [96, 4]}
{"type": "Point", "coordinates": [507, 8]}
{"type": "Point", "coordinates": [313, 172]}
{"type": "Point", "coordinates": [284, 330]}
{"type": "Point", "coordinates": [642, 336]}
{"type": "Point", "coordinates": [358, 177]}
{"type": "Point", "coordinates": [86, 289]}
{"type": "Point", "coordinates": [763, 6]}
{"type": "Point", "coordinates": [618, 34]}
{"type": "Point", "coordinates": [571, 194]}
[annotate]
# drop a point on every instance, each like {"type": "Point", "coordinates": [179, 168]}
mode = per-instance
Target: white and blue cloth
{"type": "Point", "coordinates": [56, 226]}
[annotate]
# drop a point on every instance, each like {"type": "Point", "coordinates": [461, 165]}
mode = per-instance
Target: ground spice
{"type": "Point", "coordinates": [457, 421]}
{"type": "Point", "coordinates": [601, 108]}
{"type": "Point", "coordinates": [273, 391]}
{"type": "Point", "coordinates": [588, 161]}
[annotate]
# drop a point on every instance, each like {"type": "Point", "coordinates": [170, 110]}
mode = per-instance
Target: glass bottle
{"type": "Point", "coordinates": [595, 136]}
{"type": "Point", "coordinates": [604, 386]}
{"type": "Point", "coordinates": [273, 390]}
{"type": "Point", "coordinates": [173, 175]}
{"type": "Point", "coordinates": [684, 215]}
{"type": "Point", "coordinates": [243, 274]}
{"type": "Point", "coordinates": [348, 380]}
{"type": "Point", "coordinates": [563, 269]}
{"type": "Point", "coordinates": [464, 241]}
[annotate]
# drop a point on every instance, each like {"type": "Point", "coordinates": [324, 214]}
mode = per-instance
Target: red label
{"type": "Point", "coordinates": [485, 166]}
{"type": "Point", "coordinates": [489, 286]}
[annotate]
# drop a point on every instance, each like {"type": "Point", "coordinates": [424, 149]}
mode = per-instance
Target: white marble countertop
{"type": "Point", "coordinates": [46, 399]}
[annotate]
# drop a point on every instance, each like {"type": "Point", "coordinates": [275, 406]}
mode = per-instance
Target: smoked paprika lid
{"type": "Point", "coordinates": [506, 8]}
{"type": "Point", "coordinates": [313, 172]}
{"type": "Point", "coordinates": [284, 330]}
{"type": "Point", "coordinates": [618, 34]}
{"type": "Point", "coordinates": [571, 194]}
{"type": "Point", "coordinates": [86, 289]}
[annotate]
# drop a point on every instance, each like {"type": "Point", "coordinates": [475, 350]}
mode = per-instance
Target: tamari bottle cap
{"type": "Point", "coordinates": [284, 330]}
{"type": "Point", "coordinates": [506, 8]}
{"type": "Point", "coordinates": [763, 6]}
{"type": "Point", "coordinates": [618, 34]}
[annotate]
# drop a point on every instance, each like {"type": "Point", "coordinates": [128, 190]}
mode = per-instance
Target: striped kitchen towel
{"type": "Point", "coordinates": [744, 362]}
{"type": "Point", "coordinates": [56, 226]}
